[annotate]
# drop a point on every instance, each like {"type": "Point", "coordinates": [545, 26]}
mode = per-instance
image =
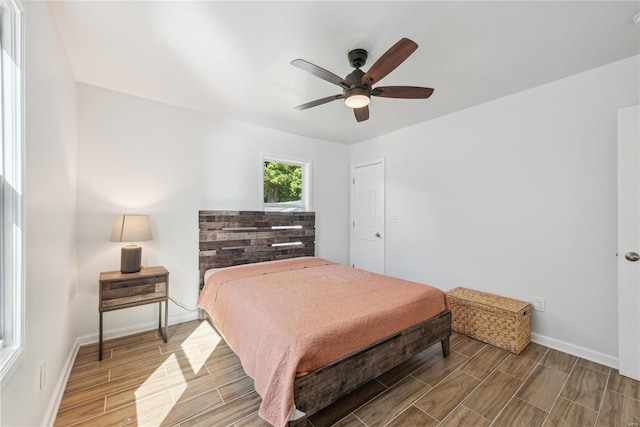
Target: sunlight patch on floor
{"type": "Point", "coordinates": [157, 403]}
{"type": "Point", "coordinates": [184, 363]}
{"type": "Point", "coordinates": [204, 333]}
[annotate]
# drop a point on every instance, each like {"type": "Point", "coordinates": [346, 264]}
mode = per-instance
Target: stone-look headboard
{"type": "Point", "coordinates": [243, 237]}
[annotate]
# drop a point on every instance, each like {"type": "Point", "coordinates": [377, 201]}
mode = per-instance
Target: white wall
{"type": "Point", "coordinates": [51, 143]}
{"type": "Point", "coordinates": [517, 197]}
{"type": "Point", "coordinates": [141, 156]}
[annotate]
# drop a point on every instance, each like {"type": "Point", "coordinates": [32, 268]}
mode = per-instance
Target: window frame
{"type": "Point", "coordinates": [12, 199]}
{"type": "Point", "coordinates": [306, 166]}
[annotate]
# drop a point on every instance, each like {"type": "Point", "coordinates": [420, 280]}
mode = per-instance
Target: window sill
{"type": "Point", "coordinates": [8, 358]}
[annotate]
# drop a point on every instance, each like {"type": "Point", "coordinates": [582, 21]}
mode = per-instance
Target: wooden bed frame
{"type": "Point", "coordinates": [230, 238]}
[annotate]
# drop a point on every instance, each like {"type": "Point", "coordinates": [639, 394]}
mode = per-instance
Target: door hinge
{"type": "Point", "coordinates": [354, 224]}
{"type": "Point", "coordinates": [354, 180]}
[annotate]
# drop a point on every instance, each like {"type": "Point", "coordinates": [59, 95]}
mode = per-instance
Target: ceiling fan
{"type": "Point", "coordinates": [357, 87]}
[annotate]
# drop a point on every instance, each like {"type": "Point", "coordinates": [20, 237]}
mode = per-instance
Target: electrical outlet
{"type": "Point", "coordinates": [538, 303]}
{"type": "Point", "coordinates": [43, 375]}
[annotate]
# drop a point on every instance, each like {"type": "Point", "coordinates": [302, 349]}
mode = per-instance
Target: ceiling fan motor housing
{"type": "Point", "coordinates": [354, 79]}
{"type": "Point", "coordinates": [356, 86]}
{"type": "Point", "coordinates": [357, 91]}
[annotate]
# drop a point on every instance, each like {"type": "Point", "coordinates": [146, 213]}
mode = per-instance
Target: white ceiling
{"type": "Point", "coordinates": [233, 58]}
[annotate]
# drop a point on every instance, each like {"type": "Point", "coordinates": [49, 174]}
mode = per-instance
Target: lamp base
{"type": "Point", "coordinates": [131, 259]}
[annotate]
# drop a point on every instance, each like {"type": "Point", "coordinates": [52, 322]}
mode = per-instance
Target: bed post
{"type": "Point", "coordinates": [445, 347]}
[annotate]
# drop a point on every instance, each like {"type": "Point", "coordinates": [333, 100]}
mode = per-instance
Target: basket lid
{"type": "Point", "coordinates": [484, 300]}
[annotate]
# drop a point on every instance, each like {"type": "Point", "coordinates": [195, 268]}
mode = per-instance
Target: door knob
{"type": "Point", "coordinates": [632, 256]}
{"type": "Point", "coordinates": [379, 237]}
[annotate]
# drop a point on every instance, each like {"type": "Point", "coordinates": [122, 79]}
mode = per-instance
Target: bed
{"type": "Point", "coordinates": [277, 250]}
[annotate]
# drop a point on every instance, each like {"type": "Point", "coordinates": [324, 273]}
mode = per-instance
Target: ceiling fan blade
{"type": "Point", "coordinates": [389, 61]}
{"type": "Point", "coordinates": [410, 92]}
{"type": "Point", "coordinates": [320, 72]}
{"type": "Point", "coordinates": [319, 102]}
{"type": "Point", "coordinates": [361, 114]}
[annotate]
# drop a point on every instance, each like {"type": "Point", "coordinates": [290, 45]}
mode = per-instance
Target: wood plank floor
{"type": "Point", "coordinates": [196, 380]}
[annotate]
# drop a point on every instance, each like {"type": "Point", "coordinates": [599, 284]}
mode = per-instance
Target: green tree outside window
{"type": "Point", "coordinates": [282, 182]}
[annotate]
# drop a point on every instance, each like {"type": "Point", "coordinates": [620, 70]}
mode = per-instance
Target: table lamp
{"type": "Point", "coordinates": [131, 228]}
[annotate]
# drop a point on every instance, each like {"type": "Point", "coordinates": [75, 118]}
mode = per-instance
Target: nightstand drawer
{"type": "Point", "coordinates": [124, 293]}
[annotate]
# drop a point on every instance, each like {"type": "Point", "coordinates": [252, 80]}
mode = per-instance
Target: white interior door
{"type": "Point", "coordinates": [367, 237]}
{"type": "Point", "coordinates": [629, 242]}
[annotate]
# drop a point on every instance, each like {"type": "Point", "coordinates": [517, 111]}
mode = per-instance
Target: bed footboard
{"type": "Point", "coordinates": [326, 385]}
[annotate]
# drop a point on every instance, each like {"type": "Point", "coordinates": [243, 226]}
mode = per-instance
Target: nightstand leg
{"type": "Point", "coordinates": [100, 340]}
{"type": "Point", "coordinates": [160, 320]}
{"type": "Point", "coordinates": [166, 320]}
{"type": "Point", "coordinates": [163, 331]}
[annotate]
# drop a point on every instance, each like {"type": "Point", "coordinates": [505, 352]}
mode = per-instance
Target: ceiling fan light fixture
{"type": "Point", "coordinates": [357, 98]}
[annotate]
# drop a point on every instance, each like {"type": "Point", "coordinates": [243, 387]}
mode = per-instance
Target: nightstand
{"type": "Point", "coordinates": [123, 290]}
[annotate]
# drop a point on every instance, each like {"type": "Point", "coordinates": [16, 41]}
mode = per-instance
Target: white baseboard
{"type": "Point", "coordinates": [58, 390]}
{"type": "Point", "coordinates": [56, 398]}
{"type": "Point", "coordinates": [141, 327]}
{"type": "Point", "coordinates": [575, 350]}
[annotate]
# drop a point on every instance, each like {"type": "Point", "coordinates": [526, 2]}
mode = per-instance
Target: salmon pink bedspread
{"type": "Point", "coordinates": [288, 318]}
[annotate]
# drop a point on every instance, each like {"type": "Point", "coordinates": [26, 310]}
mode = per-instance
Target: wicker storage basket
{"type": "Point", "coordinates": [499, 321]}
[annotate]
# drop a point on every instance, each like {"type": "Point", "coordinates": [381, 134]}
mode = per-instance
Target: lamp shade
{"type": "Point", "coordinates": [131, 228]}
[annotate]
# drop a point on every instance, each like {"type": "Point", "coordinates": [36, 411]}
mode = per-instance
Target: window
{"type": "Point", "coordinates": [11, 185]}
{"type": "Point", "coordinates": [285, 184]}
